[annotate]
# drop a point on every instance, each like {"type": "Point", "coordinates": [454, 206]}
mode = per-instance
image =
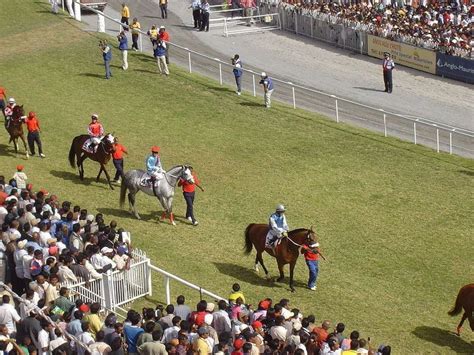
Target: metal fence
{"type": "Point", "coordinates": [440, 137]}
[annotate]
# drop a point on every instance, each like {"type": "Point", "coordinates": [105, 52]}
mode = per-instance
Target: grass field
{"type": "Point", "coordinates": [394, 219]}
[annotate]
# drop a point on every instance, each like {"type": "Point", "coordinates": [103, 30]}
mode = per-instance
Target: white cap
{"type": "Point", "coordinates": [106, 250]}
{"type": "Point", "coordinates": [162, 27]}
{"type": "Point", "coordinates": [95, 115]}
{"type": "Point", "coordinates": [11, 100]}
{"type": "Point", "coordinates": [263, 75]}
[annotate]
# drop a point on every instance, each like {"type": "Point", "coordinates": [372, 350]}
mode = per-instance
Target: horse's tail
{"type": "Point", "coordinates": [123, 191]}
{"type": "Point", "coordinates": [72, 154]}
{"type": "Point", "coordinates": [457, 306]}
{"type": "Point", "coordinates": [248, 241]}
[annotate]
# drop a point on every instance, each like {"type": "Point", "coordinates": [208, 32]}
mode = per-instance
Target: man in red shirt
{"type": "Point", "coordinates": [117, 156]}
{"type": "Point", "coordinates": [188, 193]}
{"type": "Point", "coordinates": [32, 124]}
{"type": "Point", "coordinates": [165, 37]}
{"type": "Point", "coordinates": [311, 256]}
{"type": "Point", "coordinates": [3, 99]}
{"type": "Point", "coordinates": [95, 130]}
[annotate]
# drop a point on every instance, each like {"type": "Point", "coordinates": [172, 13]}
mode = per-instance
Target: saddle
{"type": "Point", "coordinates": [88, 147]}
{"type": "Point", "coordinates": [147, 180]}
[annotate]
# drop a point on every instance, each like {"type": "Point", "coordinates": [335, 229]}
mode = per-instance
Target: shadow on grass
{"type": "Point", "coordinates": [467, 172]}
{"type": "Point", "coordinates": [250, 104]}
{"type": "Point", "coordinates": [92, 75]}
{"type": "Point", "coordinates": [220, 88]}
{"type": "Point", "coordinates": [118, 212]}
{"type": "Point", "coordinates": [74, 178]}
{"type": "Point", "coordinates": [444, 338]}
{"type": "Point", "coordinates": [146, 71]}
{"type": "Point", "coordinates": [368, 89]}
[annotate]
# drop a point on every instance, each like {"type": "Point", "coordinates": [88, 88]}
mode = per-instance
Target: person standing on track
{"type": "Point", "coordinates": [164, 9]}
{"type": "Point", "coordinates": [196, 6]}
{"type": "Point", "coordinates": [135, 27]}
{"type": "Point", "coordinates": [205, 8]}
{"type": "Point", "coordinates": [311, 256]}
{"type": "Point", "coordinates": [125, 16]}
{"type": "Point", "coordinates": [237, 73]}
{"type": "Point", "coordinates": [267, 89]}
{"type": "Point", "coordinates": [189, 190]}
{"type": "Point", "coordinates": [165, 37]}
{"type": "Point", "coordinates": [107, 56]}
{"type": "Point", "coordinates": [388, 66]}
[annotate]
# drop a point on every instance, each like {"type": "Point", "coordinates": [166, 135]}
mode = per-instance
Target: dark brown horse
{"type": "Point", "coordinates": [464, 300]}
{"type": "Point", "coordinates": [286, 252]}
{"type": "Point", "coordinates": [15, 128]}
{"type": "Point", "coordinates": [102, 154]}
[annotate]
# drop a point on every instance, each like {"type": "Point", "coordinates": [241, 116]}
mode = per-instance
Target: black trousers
{"type": "Point", "coordinates": [189, 197]}
{"type": "Point", "coordinates": [135, 41]}
{"type": "Point", "coordinates": [197, 18]}
{"type": "Point", "coordinates": [118, 163]}
{"type": "Point", "coordinates": [164, 10]}
{"type": "Point", "coordinates": [205, 21]}
{"type": "Point", "coordinates": [34, 137]}
{"type": "Point", "coordinates": [387, 78]}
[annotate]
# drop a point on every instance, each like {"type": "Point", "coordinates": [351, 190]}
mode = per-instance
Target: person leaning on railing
{"type": "Point", "coordinates": [135, 27]}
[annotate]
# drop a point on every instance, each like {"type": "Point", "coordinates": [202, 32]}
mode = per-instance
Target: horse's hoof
{"type": "Point", "coordinates": [268, 277]}
{"type": "Point", "coordinates": [292, 289]}
{"type": "Point", "coordinates": [138, 217]}
{"type": "Point", "coordinates": [256, 268]}
{"type": "Point", "coordinates": [280, 279]}
{"type": "Point", "coordinates": [173, 223]}
{"type": "Point", "coordinates": [111, 187]}
{"type": "Point", "coordinates": [27, 156]}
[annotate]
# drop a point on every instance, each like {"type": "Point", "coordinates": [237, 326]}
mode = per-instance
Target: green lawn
{"type": "Point", "coordinates": [394, 220]}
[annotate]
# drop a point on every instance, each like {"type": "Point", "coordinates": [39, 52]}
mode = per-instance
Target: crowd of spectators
{"type": "Point", "coordinates": [434, 25]}
{"type": "Point", "coordinates": [48, 245]}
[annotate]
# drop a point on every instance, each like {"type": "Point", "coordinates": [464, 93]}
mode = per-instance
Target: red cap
{"type": "Point", "coordinates": [19, 167]}
{"type": "Point", "coordinates": [265, 304]}
{"type": "Point", "coordinates": [84, 308]}
{"type": "Point", "coordinates": [257, 324]}
{"type": "Point", "coordinates": [155, 149]}
{"type": "Point", "coordinates": [239, 343]}
{"type": "Point", "coordinates": [29, 187]}
{"type": "Point", "coordinates": [45, 192]}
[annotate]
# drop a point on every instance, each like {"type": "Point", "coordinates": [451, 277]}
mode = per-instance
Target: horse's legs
{"type": "Point", "coordinates": [24, 144]}
{"type": "Point", "coordinates": [292, 268]}
{"type": "Point", "coordinates": [100, 172]}
{"type": "Point", "coordinates": [256, 263]}
{"type": "Point", "coordinates": [260, 260]}
{"type": "Point", "coordinates": [15, 144]}
{"type": "Point", "coordinates": [131, 201]}
{"type": "Point", "coordinates": [459, 327]}
{"type": "Point", "coordinates": [280, 268]}
{"type": "Point", "coordinates": [170, 210]}
{"type": "Point", "coordinates": [80, 160]}
{"type": "Point", "coordinates": [107, 175]}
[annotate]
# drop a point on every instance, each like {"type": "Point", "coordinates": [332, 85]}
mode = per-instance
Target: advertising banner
{"type": "Point", "coordinates": [403, 54]}
{"type": "Point", "coordinates": [457, 68]}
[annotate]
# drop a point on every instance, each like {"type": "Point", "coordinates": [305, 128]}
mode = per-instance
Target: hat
{"type": "Point", "coordinates": [386, 53]}
{"type": "Point", "coordinates": [21, 244]}
{"type": "Point", "coordinates": [106, 250]}
{"type": "Point", "coordinates": [242, 327]}
{"type": "Point", "coordinates": [95, 116]}
{"type": "Point", "coordinates": [52, 240]}
{"type": "Point", "coordinates": [257, 324]}
{"type": "Point", "coordinates": [280, 208]}
{"type": "Point", "coordinates": [239, 343]}
{"type": "Point", "coordinates": [11, 100]}
{"type": "Point", "coordinates": [45, 192]}
{"type": "Point", "coordinates": [210, 307]}
{"type": "Point", "coordinates": [155, 149]}
{"type": "Point", "coordinates": [297, 326]}
{"type": "Point", "coordinates": [90, 218]}
{"type": "Point", "coordinates": [19, 167]}
{"type": "Point", "coordinates": [162, 27]}
{"type": "Point", "coordinates": [84, 308]}
{"type": "Point", "coordinates": [202, 331]}
{"type": "Point", "coordinates": [265, 304]}
{"type": "Point", "coordinates": [263, 75]}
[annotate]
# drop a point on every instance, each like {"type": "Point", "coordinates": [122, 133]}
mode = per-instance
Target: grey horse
{"type": "Point", "coordinates": [163, 188]}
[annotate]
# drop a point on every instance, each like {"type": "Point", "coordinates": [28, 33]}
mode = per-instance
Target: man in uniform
{"type": "Point", "coordinates": [388, 66]}
{"type": "Point", "coordinates": [117, 156]}
{"type": "Point", "coordinates": [165, 37]}
{"type": "Point", "coordinates": [205, 8]}
{"type": "Point", "coordinates": [278, 228]}
{"type": "Point", "coordinates": [267, 89]}
{"type": "Point", "coordinates": [237, 73]}
{"type": "Point", "coordinates": [96, 131]}
{"type": "Point", "coordinates": [196, 6]}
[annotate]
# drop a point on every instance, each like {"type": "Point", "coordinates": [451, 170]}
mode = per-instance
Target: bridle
{"type": "Point", "coordinates": [299, 245]}
{"type": "Point", "coordinates": [183, 167]}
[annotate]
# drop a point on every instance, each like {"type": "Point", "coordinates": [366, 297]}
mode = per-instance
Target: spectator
{"type": "Point", "coordinates": [205, 11]}
{"type": "Point", "coordinates": [165, 37]}
{"type": "Point", "coordinates": [200, 345]}
{"type": "Point", "coordinates": [20, 177]}
{"type": "Point", "coordinates": [164, 8]}
{"type": "Point", "coordinates": [125, 16]}
{"type": "Point", "coordinates": [154, 347]}
{"type": "Point", "coordinates": [236, 293]}
{"type": "Point", "coordinates": [85, 336]}
{"type": "Point", "coordinates": [44, 337]}
{"type": "Point", "coordinates": [123, 47]}
{"type": "Point", "coordinates": [181, 310]}
{"type": "Point", "coordinates": [159, 51]}
{"type": "Point", "coordinates": [107, 56]}
{"type": "Point", "coordinates": [237, 73]}
{"type": "Point", "coordinates": [3, 99]}
{"type": "Point", "coordinates": [93, 319]}
{"type": "Point", "coordinates": [196, 6]}
{"type": "Point", "coordinates": [8, 315]}
{"type": "Point", "coordinates": [267, 84]}
{"type": "Point", "coordinates": [135, 27]}
{"type": "Point", "coordinates": [132, 333]}
{"type": "Point", "coordinates": [99, 346]}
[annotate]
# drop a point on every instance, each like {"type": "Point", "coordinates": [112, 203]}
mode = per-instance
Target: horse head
{"type": "Point", "coordinates": [108, 142]}
{"type": "Point", "coordinates": [187, 173]}
{"type": "Point", "coordinates": [311, 238]}
{"type": "Point", "coordinates": [18, 112]}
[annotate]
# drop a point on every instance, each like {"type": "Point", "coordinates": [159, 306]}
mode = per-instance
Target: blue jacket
{"type": "Point", "coordinates": [123, 43]}
{"type": "Point", "coordinates": [107, 55]}
{"type": "Point", "coordinates": [238, 68]}
{"type": "Point", "coordinates": [152, 163]}
{"type": "Point", "coordinates": [268, 82]}
{"type": "Point", "coordinates": [159, 49]}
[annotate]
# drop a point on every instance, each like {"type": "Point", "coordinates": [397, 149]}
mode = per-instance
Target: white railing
{"type": "Point", "coordinates": [419, 130]}
{"type": "Point", "coordinates": [254, 23]}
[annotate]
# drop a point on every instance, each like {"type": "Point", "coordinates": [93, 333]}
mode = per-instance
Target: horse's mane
{"type": "Point", "coordinates": [299, 230]}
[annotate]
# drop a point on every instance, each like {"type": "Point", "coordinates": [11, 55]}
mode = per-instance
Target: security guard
{"type": "Point", "coordinates": [205, 11]}
{"type": "Point", "coordinates": [388, 66]}
{"type": "Point", "coordinates": [196, 6]}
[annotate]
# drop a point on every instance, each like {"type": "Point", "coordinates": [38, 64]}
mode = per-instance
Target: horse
{"type": "Point", "coordinates": [102, 154]}
{"type": "Point", "coordinates": [163, 188]}
{"type": "Point", "coordinates": [15, 128]}
{"type": "Point", "coordinates": [286, 252]}
{"type": "Point", "coordinates": [464, 300]}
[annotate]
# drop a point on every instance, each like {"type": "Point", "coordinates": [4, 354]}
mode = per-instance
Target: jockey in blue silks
{"type": "Point", "coordinates": [153, 163]}
{"type": "Point", "coordinates": [278, 228]}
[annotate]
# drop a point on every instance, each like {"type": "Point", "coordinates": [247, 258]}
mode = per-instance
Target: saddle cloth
{"type": "Point", "coordinates": [146, 180]}
{"type": "Point", "coordinates": [272, 241]}
{"type": "Point", "coordinates": [87, 146]}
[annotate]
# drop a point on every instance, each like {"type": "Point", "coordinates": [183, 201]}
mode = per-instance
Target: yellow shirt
{"type": "Point", "coordinates": [201, 347]}
{"type": "Point", "coordinates": [125, 11]}
{"type": "Point", "coordinates": [154, 34]}
{"type": "Point", "coordinates": [234, 295]}
{"type": "Point", "coordinates": [135, 27]}
{"type": "Point", "coordinates": [95, 324]}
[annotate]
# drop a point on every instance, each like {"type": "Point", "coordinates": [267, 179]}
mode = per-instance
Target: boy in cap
{"type": "Point", "coordinates": [20, 177]}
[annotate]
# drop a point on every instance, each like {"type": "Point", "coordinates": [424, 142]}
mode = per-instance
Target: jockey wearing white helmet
{"type": "Point", "coordinates": [8, 112]}
{"type": "Point", "coordinates": [278, 228]}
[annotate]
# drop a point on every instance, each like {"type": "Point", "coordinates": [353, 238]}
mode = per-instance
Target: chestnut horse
{"type": "Point", "coordinates": [464, 300]}
{"type": "Point", "coordinates": [15, 128]}
{"type": "Point", "coordinates": [286, 252]}
{"type": "Point", "coordinates": [102, 154]}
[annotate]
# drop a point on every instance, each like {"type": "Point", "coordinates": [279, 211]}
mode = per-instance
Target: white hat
{"type": "Point", "coordinates": [106, 250]}
{"type": "Point", "coordinates": [11, 100]}
{"type": "Point", "coordinates": [162, 27]}
{"type": "Point", "coordinates": [22, 243]}
{"type": "Point", "coordinates": [95, 115]}
{"type": "Point", "coordinates": [90, 218]}
{"type": "Point", "coordinates": [263, 75]}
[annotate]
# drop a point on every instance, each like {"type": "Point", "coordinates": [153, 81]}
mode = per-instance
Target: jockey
{"type": "Point", "coordinates": [153, 164]}
{"type": "Point", "coordinates": [278, 227]}
{"type": "Point", "coordinates": [96, 131]}
{"type": "Point", "coordinates": [8, 112]}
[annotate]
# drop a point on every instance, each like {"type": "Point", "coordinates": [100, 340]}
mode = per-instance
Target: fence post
{"type": "Point", "coordinates": [220, 73]}
{"type": "Point", "coordinates": [294, 97]}
{"type": "Point", "coordinates": [106, 291]}
{"type": "Point", "coordinates": [311, 23]}
{"type": "Point", "coordinates": [140, 42]}
{"type": "Point", "coordinates": [253, 80]}
{"type": "Point", "coordinates": [226, 33]}
{"type": "Point", "coordinates": [167, 290]}
{"type": "Point", "coordinates": [337, 110]}
{"type": "Point", "coordinates": [296, 23]}
{"type": "Point", "coordinates": [385, 125]}
{"type": "Point", "coordinates": [414, 131]}
{"type": "Point", "coordinates": [189, 61]}
{"type": "Point", "coordinates": [100, 23]}
{"type": "Point", "coordinates": [62, 4]}
{"type": "Point", "coordinates": [77, 11]}
{"type": "Point", "coordinates": [451, 142]}
{"type": "Point", "coordinates": [279, 19]}
{"type": "Point", "coordinates": [437, 140]}
{"type": "Point", "coordinates": [148, 276]}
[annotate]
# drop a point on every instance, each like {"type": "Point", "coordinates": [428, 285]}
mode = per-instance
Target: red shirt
{"type": "Point", "coordinates": [32, 124]}
{"type": "Point", "coordinates": [309, 254]}
{"type": "Point", "coordinates": [118, 151]}
{"type": "Point", "coordinates": [187, 186]}
{"type": "Point", "coordinates": [3, 196]}
{"type": "Point", "coordinates": [165, 36]}
{"type": "Point", "coordinates": [322, 335]}
{"type": "Point", "coordinates": [2, 93]}
{"type": "Point", "coordinates": [96, 129]}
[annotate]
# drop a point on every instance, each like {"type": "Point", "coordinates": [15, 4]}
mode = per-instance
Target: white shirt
{"type": "Point", "coordinates": [26, 265]}
{"type": "Point", "coordinates": [87, 339]}
{"type": "Point", "coordinates": [18, 257]}
{"type": "Point", "coordinates": [9, 316]}
{"type": "Point", "coordinates": [43, 342]}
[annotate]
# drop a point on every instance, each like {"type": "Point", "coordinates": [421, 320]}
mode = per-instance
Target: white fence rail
{"type": "Point", "coordinates": [418, 130]}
